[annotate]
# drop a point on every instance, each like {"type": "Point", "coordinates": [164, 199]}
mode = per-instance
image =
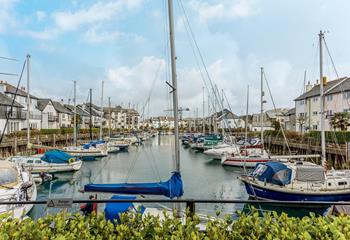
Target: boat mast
{"type": "Point", "coordinates": [262, 110]}
{"type": "Point", "coordinates": [203, 121]}
{"type": "Point", "coordinates": [28, 101]}
{"type": "Point", "coordinates": [101, 111]}
{"type": "Point", "coordinates": [209, 116]}
{"type": "Point", "coordinates": [222, 111]}
{"type": "Point", "coordinates": [109, 117]}
{"type": "Point", "coordinates": [246, 118]}
{"type": "Point", "coordinates": [323, 138]}
{"type": "Point", "coordinates": [174, 84]}
{"type": "Point", "coordinates": [75, 113]}
{"type": "Point", "coordinates": [90, 109]}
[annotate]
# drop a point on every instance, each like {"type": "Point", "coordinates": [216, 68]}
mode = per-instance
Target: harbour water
{"type": "Point", "coordinates": [203, 177]}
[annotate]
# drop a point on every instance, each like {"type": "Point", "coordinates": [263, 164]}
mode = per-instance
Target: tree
{"type": "Point", "coordinates": [79, 121]}
{"type": "Point", "coordinates": [340, 120]}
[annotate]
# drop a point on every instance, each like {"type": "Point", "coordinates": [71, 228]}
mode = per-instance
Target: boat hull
{"type": "Point", "coordinates": [241, 162]}
{"type": "Point", "coordinates": [54, 168]}
{"type": "Point", "coordinates": [260, 192]}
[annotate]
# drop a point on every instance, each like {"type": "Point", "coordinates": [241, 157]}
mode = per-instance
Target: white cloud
{"type": "Point", "coordinates": [97, 34]}
{"type": "Point", "coordinates": [224, 9]}
{"type": "Point", "coordinates": [7, 19]}
{"type": "Point", "coordinates": [98, 13]}
{"type": "Point", "coordinates": [40, 15]}
{"type": "Point", "coordinates": [134, 83]}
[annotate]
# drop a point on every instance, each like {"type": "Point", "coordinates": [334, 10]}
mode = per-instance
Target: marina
{"type": "Point", "coordinates": [173, 120]}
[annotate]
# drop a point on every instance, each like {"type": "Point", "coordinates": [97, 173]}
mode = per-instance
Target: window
{"type": "Point", "coordinates": [37, 161]}
{"type": "Point", "coordinates": [329, 98]}
{"type": "Point", "coordinates": [342, 183]}
{"type": "Point", "coordinates": [329, 113]}
{"type": "Point", "coordinates": [30, 161]}
{"type": "Point", "coordinates": [315, 99]}
{"type": "Point", "coordinates": [314, 113]}
{"type": "Point", "coordinates": [346, 95]}
{"type": "Point", "coordinates": [314, 127]}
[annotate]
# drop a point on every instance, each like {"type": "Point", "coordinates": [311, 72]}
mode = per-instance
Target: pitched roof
{"type": "Point", "coordinates": [315, 91]}
{"type": "Point", "coordinates": [225, 113]}
{"type": "Point", "coordinates": [42, 103]}
{"type": "Point", "coordinates": [86, 108]}
{"type": "Point", "coordinates": [7, 101]}
{"type": "Point", "coordinates": [12, 90]}
{"type": "Point", "coordinates": [291, 112]}
{"type": "Point", "coordinates": [60, 108]}
{"type": "Point", "coordinates": [80, 111]}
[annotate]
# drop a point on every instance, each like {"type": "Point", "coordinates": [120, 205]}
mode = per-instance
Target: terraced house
{"type": "Point", "coordinates": [307, 105]}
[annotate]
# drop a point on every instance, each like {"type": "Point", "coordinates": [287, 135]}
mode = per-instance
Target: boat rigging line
{"type": "Point", "coordinates": [13, 102]}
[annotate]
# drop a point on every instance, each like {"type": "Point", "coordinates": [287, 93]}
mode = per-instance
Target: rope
{"type": "Point", "coordinates": [274, 106]}
{"type": "Point", "coordinates": [13, 102]}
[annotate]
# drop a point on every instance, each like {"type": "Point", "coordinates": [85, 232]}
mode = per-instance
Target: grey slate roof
{"type": "Point", "coordinates": [315, 91]}
{"type": "Point", "coordinates": [12, 90]}
{"type": "Point", "coordinates": [60, 108]}
{"type": "Point", "coordinates": [80, 111]}
{"type": "Point", "coordinates": [42, 103]}
{"type": "Point", "coordinates": [7, 101]}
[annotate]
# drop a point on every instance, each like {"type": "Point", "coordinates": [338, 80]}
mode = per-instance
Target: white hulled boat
{"type": "Point", "coordinates": [50, 162]}
{"type": "Point", "coordinates": [16, 184]}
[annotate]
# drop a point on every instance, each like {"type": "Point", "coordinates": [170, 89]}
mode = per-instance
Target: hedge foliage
{"type": "Point", "coordinates": [134, 226]}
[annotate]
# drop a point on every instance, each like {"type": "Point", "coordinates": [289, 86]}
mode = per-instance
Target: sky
{"type": "Point", "coordinates": [125, 44]}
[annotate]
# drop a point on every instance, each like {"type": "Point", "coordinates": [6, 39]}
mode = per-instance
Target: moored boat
{"type": "Point", "coordinates": [50, 162]}
{"type": "Point", "coordinates": [16, 184]}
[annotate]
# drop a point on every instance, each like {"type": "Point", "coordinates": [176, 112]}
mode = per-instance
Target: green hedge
{"type": "Point", "coordinates": [340, 136]}
{"type": "Point", "coordinates": [134, 226]}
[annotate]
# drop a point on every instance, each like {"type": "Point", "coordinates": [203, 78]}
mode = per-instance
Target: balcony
{"type": "Point", "coordinates": [14, 115]}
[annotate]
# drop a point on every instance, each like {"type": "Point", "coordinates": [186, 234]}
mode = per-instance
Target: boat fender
{"type": "Point", "coordinates": [71, 160]}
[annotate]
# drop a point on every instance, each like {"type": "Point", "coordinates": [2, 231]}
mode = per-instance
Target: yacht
{"type": "Point", "coordinates": [16, 184]}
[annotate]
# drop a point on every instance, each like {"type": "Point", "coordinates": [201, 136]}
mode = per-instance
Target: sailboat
{"type": "Point", "coordinates": [299, 180]}
{"type": "Point", "coordinates": [86, 152]}
{"type": "Point", "coordinates": [16, 182]}
{"type": "Point", "coordinates": [172, 188]}
{"type": "Point", "coordinates": [250, 156]}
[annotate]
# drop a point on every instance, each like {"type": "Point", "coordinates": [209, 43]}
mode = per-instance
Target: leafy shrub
{"type": "Point", "coordinates": [135, 226]}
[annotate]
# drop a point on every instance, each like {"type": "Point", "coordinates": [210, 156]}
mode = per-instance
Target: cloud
{"type": "Point", "coordinates": [134, 83]}
{"type": "Point", "coordinates": [224, 9]}
{"type": "Point", "coordinates": [7, 13]}
{"type": "Point", "coordinates": [97, 34]}
{"type": "Point", "coordinates": [90, 17]}
{"type": "Point", "coordinates": [40, 15]}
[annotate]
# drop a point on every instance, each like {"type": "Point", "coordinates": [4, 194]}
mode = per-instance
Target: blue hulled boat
{"type": "Point", "coordinates": [297, 181]}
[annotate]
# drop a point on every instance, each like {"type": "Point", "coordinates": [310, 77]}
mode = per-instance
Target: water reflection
{"type": "Point", "coordinates": [203, 177]}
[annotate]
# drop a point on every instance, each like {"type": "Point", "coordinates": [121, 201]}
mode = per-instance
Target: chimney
{"type": "Point", "coordinates": [308, 86]}
{"type": "Point", "coordinates": [62, 102]}
{"type": "Point", "coordinates": [316, 82]}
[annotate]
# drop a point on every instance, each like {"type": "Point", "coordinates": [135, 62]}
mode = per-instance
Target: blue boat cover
{"type": "Point", "coordinates": [112, 210]}
{"type": "Point", "coordinates": [171, 188]}
{"type": "Point", "coordinates": [273, 172]}
{"type": "Point", "coordinates": [94, 143]}
{"type": "Point", "coordinates": [86, 145]}
{"type": "Point", "coordinates": [56, 156]}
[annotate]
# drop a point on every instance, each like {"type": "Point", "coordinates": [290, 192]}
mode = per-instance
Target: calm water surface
{"type": "Point", "coordinates": [203, 178]}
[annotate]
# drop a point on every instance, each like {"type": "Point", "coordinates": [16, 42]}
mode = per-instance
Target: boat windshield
{"type": "Point", "coordinates": [7, 176]}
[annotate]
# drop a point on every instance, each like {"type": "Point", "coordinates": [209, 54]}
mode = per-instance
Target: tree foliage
{"type": "Point", "coordinates": [340, 120]}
